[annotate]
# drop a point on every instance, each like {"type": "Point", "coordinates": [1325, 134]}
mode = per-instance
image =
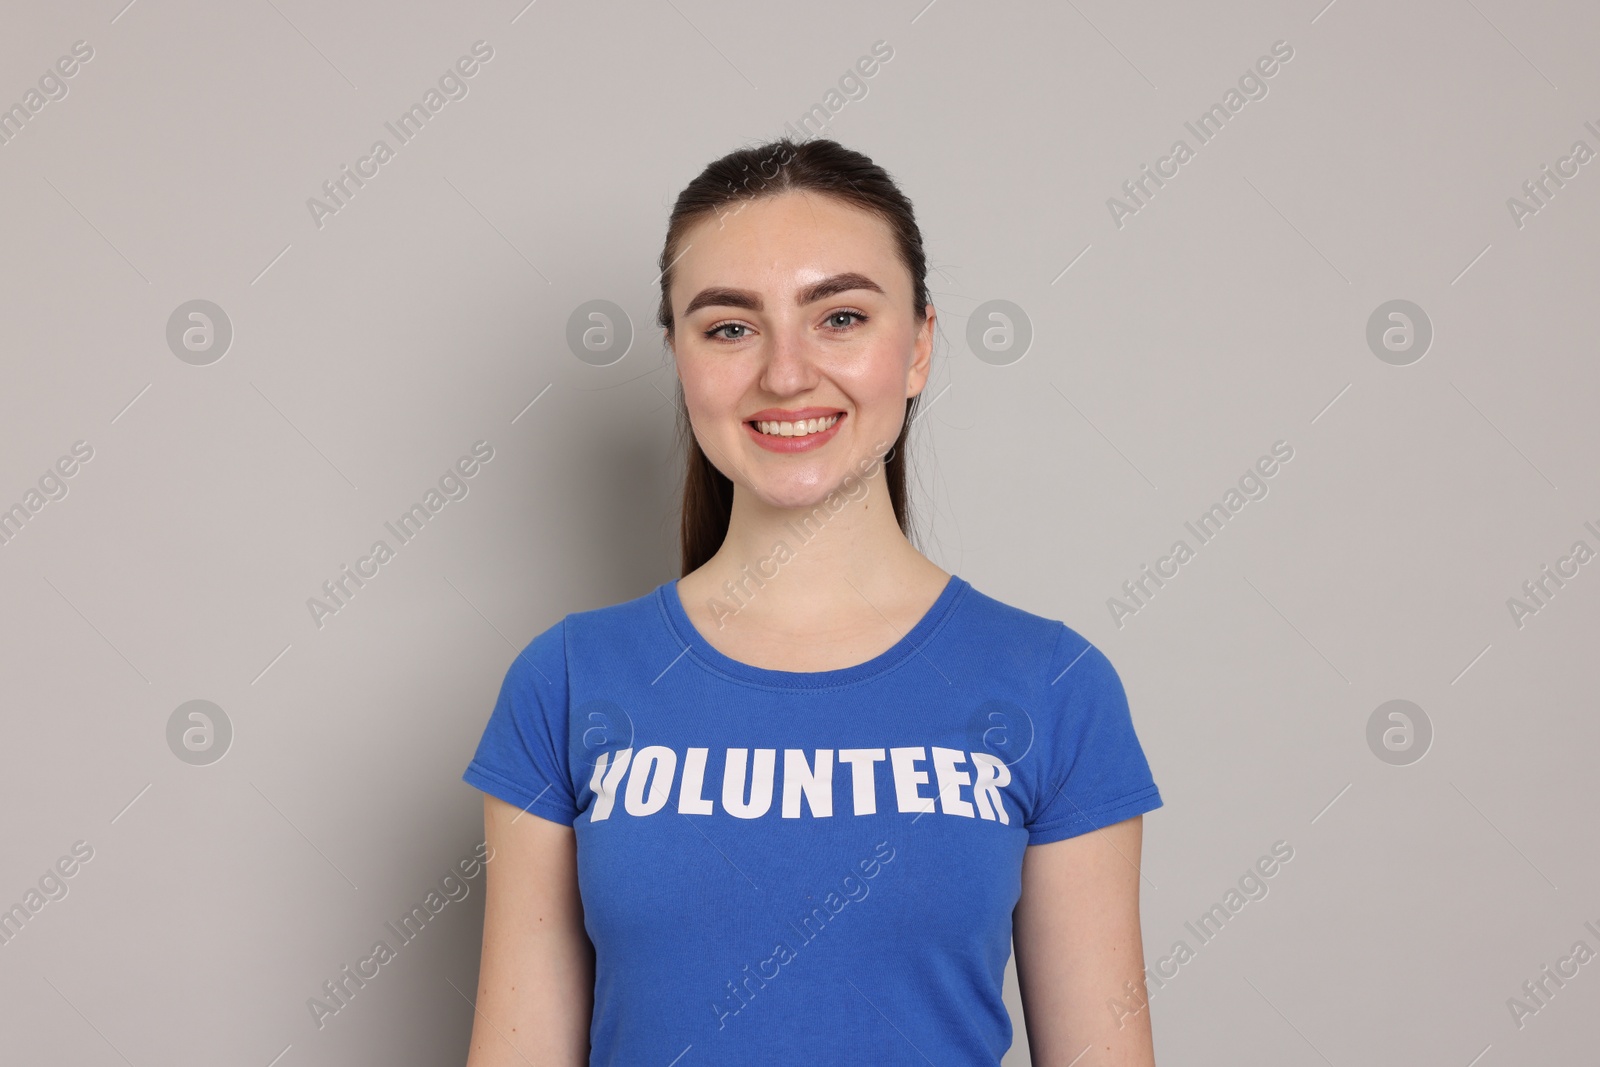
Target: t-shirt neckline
{"type": "Point", "coordinates": [706, 654]}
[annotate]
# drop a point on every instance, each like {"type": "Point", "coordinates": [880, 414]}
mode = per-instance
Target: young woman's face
{"type": "Point", "coordinates": [789, 309]}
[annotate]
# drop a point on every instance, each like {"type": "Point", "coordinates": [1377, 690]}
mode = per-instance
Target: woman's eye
{"type": "Point", "coordinates": [716, 331]}
{"type": "Point", "coordinates": [835, 317]}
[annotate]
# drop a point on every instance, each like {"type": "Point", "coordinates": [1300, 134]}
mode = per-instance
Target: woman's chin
{"type": "Point", "coordinates": [795, 497]}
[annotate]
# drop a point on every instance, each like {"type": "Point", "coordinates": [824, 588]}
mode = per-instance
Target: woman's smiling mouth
{"type": "Point", "coordinates": [777, 430]}
{"type": "Point", "coordinates": [795, 429]}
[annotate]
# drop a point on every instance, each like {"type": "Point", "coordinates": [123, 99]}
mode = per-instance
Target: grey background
{"type": "Point", "coordinates": [367, 355]}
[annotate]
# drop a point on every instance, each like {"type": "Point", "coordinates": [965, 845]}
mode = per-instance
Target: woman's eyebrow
{"type": "Point", "coordinates": [722, 296]}
{"type": "Point", "coordinates": [839, 283]}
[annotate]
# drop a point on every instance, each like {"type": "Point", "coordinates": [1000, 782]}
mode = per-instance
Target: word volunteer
{"type": "Point", "coordinates": [645, 781]}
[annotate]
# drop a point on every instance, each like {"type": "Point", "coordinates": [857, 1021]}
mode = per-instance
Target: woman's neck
{"type": "Point", "coordinates": [842, 574]}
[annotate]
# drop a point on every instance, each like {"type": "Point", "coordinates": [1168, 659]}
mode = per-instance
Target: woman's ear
{"type": "Point", "coordinates": [922, 355]}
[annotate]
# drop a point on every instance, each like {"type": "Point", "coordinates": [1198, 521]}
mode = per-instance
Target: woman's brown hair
{"type": "Point", "coordinates": [816, 166]}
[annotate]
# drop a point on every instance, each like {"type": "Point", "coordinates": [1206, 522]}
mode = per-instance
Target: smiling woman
{"type": "Point", "coordinates": [686, 765]}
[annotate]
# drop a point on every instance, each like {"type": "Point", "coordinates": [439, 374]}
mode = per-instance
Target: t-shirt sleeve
{"type": "Point", "coordinates": [522, 756]}
{"type": "Point", "coordinates": [1096, 771]}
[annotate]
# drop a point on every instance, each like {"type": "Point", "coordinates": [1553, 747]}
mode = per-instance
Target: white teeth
{"type": "Point", "coordinates": [796, 429]}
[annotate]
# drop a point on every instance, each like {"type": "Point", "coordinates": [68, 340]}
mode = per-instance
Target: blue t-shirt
{"type": "Point", "coordinates": [785, 867]}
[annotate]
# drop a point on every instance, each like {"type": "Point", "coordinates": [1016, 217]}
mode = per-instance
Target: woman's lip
{"type": "Point", "coordinates": [792, 414]}
{"type": "Point", "coordinates": [774, 443]}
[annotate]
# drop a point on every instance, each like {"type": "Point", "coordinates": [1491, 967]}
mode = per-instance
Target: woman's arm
{"type": "Point", "coordinates": [1076, 938]}
{"type": "Point", "coordinates": [536, 981]}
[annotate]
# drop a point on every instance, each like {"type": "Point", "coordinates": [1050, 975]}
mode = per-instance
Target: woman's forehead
{"type": "Point", "coordinates": [782, 245]}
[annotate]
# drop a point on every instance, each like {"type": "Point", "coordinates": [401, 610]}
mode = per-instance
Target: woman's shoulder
{"type": "Point", "coordinates": [1007, 616]}
{"type": "Point", "coordinates": [609, 626]}
{"type": "Point", "coordinates": [617, 613]}
{"type": "Point", "coordinates": [1039, 634]}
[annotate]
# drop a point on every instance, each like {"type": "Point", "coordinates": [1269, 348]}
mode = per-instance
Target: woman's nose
{"type": "Point", "coordinates": [790, 360]}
